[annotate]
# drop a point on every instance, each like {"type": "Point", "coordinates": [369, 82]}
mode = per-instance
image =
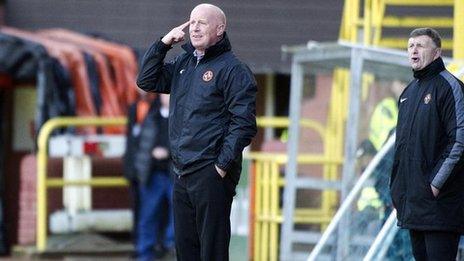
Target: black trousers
{"type": "Point", "coordinates": [202, 202]}
{"type": "Point", "coordinates": [434, 245]}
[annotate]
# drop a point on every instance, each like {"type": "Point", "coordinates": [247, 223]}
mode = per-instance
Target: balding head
{"type": "Point", "coordinates": [216, 13]}
{"type": "Point", "coordinates": [207, 26]}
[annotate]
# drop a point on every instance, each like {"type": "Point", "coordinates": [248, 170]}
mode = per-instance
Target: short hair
{"type": "Point", "coordinates": [432, 33]}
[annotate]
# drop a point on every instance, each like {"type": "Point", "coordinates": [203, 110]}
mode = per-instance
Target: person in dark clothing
{"type": "Point", "coordinates": [212, 119]}
{"type": "Point", "coordinates": [148, 168]}
{"type": "Point", "coordinates": [428, 177]}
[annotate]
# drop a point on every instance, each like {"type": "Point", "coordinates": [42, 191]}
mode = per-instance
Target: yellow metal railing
{"type": "Point", "coordinates": [267, 183]}
{"type": "Point", "coordinates": [268, 216]}
{"type": "Point", "coordinates": [284, 122]}
{"type": "Point", "coordinates": [374, 19]}
{"type": "Point", "coordinates": [43, 182]}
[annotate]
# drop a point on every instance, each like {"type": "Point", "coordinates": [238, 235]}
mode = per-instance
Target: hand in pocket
{"type": "Point", "coordinates": [221, 172]}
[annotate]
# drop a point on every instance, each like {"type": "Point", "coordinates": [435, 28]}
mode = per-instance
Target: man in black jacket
{"type": "Point", "coordinates": [212, 119]}
{"type": "Point", "coordinates": [428, 177]}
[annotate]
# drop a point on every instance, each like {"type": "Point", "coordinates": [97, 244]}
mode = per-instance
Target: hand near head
{"type": "Point", "coordinates": [176, 35]}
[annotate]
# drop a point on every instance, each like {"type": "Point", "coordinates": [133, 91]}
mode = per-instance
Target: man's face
{"type": "Point", "coordinates": [421, 52]}
{"type": "Point", "coordinates": [205, 28]}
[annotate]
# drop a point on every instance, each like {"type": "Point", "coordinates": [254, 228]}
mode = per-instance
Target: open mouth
{"type": "Point", "coordinates": [414, 59]}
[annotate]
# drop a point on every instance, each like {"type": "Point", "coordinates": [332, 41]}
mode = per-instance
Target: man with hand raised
{"type": "Point", "coordinates": [212, 119]}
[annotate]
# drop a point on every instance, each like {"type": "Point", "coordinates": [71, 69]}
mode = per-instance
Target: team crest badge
{"type": "Point", "coordinates": [207, 76]}
{"type": "Point", "coordinates": [427, 98]}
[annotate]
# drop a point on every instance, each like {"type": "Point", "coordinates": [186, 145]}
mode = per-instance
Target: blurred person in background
{"type": "Point", "coordinates": [382, 125]}
{"type": "Point", "coordinates": [428, 176]}
{"type": "Point", "coordinates": [147, 166]}
{"type": "Point", "coordinates": [212, 119]}
{"type": "Point", "coordinates": [374, 203]}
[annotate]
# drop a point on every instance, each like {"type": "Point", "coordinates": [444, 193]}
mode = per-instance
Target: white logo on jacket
{"type": "Point", "coordinates": [427, 98]}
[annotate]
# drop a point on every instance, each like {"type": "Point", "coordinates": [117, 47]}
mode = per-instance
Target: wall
{"type": "Point", "coordinates": [257, 29]}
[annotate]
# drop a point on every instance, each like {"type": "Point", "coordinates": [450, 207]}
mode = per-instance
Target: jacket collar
{"type": "Point", "coordinates": [434, 68]}
{"type": "Point", "coordinates": [220, 47]}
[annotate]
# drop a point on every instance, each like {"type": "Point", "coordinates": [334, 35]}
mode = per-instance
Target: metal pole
{"type": "Point", "coordinates": [351, 141]}
{"type": "Point", "coordinates": [42, 155]}
{"type": "Point", "coordinates": [381, 237]}
{"type": "Point", "coordinates": [350, 198]}
{"type": "Point", "coordinates": [387, 242]}
{"type": "Point", "coordinates": [291, 169]}
{"type": "Point", "coordinates": [269, 109]}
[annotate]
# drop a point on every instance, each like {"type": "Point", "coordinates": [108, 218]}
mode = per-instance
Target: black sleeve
{"type": "Point", "coordinates": [155, 75]}
{"type": "Point", "coordinates": [452, 116]}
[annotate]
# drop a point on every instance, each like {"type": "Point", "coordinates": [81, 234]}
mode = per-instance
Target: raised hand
{"type": "Point", "coordinates": [176, 35]}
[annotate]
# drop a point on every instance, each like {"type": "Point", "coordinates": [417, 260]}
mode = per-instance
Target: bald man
{"type": "Point", "coordinates": [212, 119]}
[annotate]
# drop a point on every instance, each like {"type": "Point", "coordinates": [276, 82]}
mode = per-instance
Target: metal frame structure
{"type": "Point", "coordinates": [349, 200]}
{"type": "Point", "coordinates": [266, 184]}
{"type": "Point", "coordinates": [371, 17]}
{"type": "Point", "coordinates": [44, 182]}
{"type": "Point", "coordinates": [380, 62]}
{"type": "Point", "coordinates": [359, 59]}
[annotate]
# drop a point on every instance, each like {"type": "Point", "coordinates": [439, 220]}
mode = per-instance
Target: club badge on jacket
{"type": "Point", "coordinates": [208, 76]}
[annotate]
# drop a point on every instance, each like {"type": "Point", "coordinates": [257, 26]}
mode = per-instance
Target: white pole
{"type": "Point", "coordinates": [381, 236]}
{"type": "Point", "coordinates": [351, 197]}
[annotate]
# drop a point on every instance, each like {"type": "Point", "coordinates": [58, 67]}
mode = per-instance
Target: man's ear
{"type": "Point", "coordinates": [220, 29]}
{"type": "Point", "coordinates": [437, 53]}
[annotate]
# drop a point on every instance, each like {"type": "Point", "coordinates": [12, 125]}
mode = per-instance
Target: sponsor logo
{"type": "Point", "coordinates": [427, 98]}
{"type": "Point", "coordinates": [403, 99]}
{"type": "Point", "coordinates": [182, 71]}
{"type": "Point", "coordinates": [207, 76]}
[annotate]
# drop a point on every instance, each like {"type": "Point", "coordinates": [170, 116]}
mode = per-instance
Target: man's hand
{"type": "Point", "coordinates": [435, 191]}
{"type": "Point", "coordinates": [160, 153]}
{"type": "Point", "coordinates": [220, 171]}
{"type": "Point", "coordinates": [175, 35]}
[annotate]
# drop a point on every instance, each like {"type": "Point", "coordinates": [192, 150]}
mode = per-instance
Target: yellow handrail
{"type": "Point", "coordinates": [284, 122]}
{"type": "Point", "coordinates": [94, 182]}
{"type": "Point", "coordinates": [268, 184]}
{"type": "Point", "coordinates": [282, 158]}
{"type": "Point", "coordinates": [43, 183]}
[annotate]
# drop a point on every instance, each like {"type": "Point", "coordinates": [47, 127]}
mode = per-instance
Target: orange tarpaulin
{"type": "Point", "coordinates": [72, 59]}
{"type": "Point", "coordinates": [110, 106]}
{"type": "Point", "coordinates": [121, 57]}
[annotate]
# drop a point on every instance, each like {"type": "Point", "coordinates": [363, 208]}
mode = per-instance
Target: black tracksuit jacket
{"type": "Point", "coordinates": [429, 150]}
{"type": "Point", "coordinates": [212, 107]}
